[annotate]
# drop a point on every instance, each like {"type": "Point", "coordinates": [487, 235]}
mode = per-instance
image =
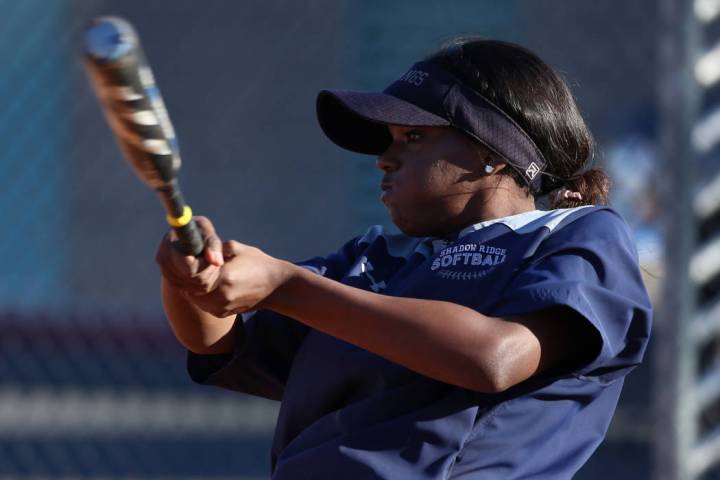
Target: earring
{"type": "Point", "coordinates": [489, 168]}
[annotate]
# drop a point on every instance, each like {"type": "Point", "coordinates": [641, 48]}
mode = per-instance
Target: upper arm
{"type": "Point", "coordinates": [555, 341]}
{"type": "Point", "coordinates": [583, 299]}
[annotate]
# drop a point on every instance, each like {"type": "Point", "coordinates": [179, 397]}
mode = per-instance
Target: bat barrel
{"type": "Point", "coordinates": [135, 110]}
{"type": "Point", "coordinates": [132, 102]}
{"type": "Point", "coordinates": [110, 38]}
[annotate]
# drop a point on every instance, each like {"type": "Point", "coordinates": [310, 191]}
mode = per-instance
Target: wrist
{"type": "Point", "coordinates": [285, 274]}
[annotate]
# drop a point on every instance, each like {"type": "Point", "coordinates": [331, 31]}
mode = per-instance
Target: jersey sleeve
{"type": "Point", "coordinates": [265, 342]}
{"type": "Point", "coordinates": [590, 267]}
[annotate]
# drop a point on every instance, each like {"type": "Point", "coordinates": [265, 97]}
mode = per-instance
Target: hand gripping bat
{"type": "Point", "coordinates": [124, 84]}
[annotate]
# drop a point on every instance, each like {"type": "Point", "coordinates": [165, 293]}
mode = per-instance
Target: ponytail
{"type": "Point", "coordinates": [590, 187]}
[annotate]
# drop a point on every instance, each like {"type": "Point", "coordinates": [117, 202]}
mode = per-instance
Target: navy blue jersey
{"type": "Point", "coordinates": [349, 412]}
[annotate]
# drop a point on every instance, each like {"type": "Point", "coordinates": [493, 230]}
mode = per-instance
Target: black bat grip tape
{"type": "Point", "coordinates": [179, 216]}
{"type": "Point", "coordinates": [190, 239]}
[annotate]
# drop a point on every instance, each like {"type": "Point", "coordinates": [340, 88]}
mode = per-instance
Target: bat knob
{"type": "Point", "coordinates": [110, 38]}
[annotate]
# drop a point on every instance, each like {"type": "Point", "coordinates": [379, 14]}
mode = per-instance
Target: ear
{"type": "Point", "coordinates": [499, 166]}
{"type": "Point", "coordinates": [492, 166]}
{"type": "Point", "coordinates": [488, 157]}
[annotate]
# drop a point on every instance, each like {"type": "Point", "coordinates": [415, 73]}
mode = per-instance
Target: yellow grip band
{"type": "Point", "coordinates": [182, 220]}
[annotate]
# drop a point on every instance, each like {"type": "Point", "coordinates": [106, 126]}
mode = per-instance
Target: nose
{"type": "Point", "coordinates": [387, 162]}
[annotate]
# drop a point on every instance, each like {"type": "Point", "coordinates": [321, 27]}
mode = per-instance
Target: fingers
{"type": "Point", "coordinates": [213, 252]}
{"type": "Point", "coordinates": [185, 272]}
{"type": "Point", "coordinates": [172, 265]}
{"type": "Point", "coordinates": [246, 279]}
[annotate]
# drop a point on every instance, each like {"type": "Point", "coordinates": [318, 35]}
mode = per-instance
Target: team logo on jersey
{"type": "Point", "coordinates": [468, 261]}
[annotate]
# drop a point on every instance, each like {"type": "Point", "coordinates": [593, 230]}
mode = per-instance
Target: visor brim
{"type": "Point", "coordinates": [357, 121]}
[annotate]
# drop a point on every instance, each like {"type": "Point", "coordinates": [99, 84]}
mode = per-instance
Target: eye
{"type": "Point", "coordinates": [413, 136]}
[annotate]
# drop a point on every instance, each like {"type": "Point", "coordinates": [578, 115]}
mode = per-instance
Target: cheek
{"type": "Point", "coordinates": [420, 175]}
{"type": "Point", "coordinates": [440, 179]}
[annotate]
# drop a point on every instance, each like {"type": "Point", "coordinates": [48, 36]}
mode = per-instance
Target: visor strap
{"type": "Point", "coordinates": [481, 119]}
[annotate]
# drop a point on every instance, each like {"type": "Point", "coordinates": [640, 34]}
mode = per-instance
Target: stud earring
{"type": "Point", "coordinates": [489, 168]}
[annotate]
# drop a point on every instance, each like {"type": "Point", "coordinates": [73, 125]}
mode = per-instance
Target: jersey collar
{"type": "Point", "coordinates": [531, 220]}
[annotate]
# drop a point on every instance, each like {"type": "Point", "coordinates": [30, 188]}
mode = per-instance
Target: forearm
{"type": "Point", "coordinates": [198, 331]}
{"type": "Point", "coordinates": [441, 340]}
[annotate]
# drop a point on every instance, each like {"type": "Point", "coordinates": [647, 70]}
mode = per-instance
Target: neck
{"type": "Point", "coordinates": [507, 207]}
{"type": "Point", "coordinates": [504, 200]}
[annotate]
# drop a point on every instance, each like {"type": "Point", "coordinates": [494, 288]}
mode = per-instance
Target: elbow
{"type": "Point", "coordinates": [481, 373]}
{"type": "Point", "coordinates": [488, 380]}
{"type": "Point", "coordinates": [497, 382]}
{"type": "Point", "coordinates": [498, 367]}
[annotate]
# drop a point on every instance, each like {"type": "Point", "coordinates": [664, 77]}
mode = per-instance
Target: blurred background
{"type": "Point", "coordinates": [92, 383]}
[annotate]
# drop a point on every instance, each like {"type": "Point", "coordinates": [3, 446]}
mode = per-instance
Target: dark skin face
{"type": "Point", "coordinates": [434, 182]}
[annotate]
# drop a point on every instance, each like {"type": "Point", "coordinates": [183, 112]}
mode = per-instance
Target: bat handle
{"type": "Point", "coordinates": [189, 237]}
{"type": "Point", "coordinates": [179, 215]}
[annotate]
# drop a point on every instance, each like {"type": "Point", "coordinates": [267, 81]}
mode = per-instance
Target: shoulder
{"type": "Point", "coordinates": [588, 219]}
{"type": "Point", "coordinates": [592, 219]}
{"type": "Point", "coordinates": [539, 232]}
{"type": "Point", "coordinates": [593, 226]}
{"type": "Point", "coordinates": [553, 221]}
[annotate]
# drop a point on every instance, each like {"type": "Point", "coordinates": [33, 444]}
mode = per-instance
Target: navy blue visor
{"type": "Point", "coordinates": [426, 96]}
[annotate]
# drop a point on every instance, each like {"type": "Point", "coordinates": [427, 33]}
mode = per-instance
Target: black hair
{"type": "Point", "coordinates": [540, 102]}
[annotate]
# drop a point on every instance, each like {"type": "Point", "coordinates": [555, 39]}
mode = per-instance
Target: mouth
{"type": "Point", "coordinates": [386, 187]}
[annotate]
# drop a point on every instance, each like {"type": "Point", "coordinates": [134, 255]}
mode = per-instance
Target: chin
{"type": "Point", "coordinates": [403, 225]}
{"type": "Point", "coordinates": [413, 229]}
{"type": "Point", "coordinates": [425, 220]}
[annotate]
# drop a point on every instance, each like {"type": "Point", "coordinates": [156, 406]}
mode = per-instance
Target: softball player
{"type": "Point", "coordinates": [489, 339]}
